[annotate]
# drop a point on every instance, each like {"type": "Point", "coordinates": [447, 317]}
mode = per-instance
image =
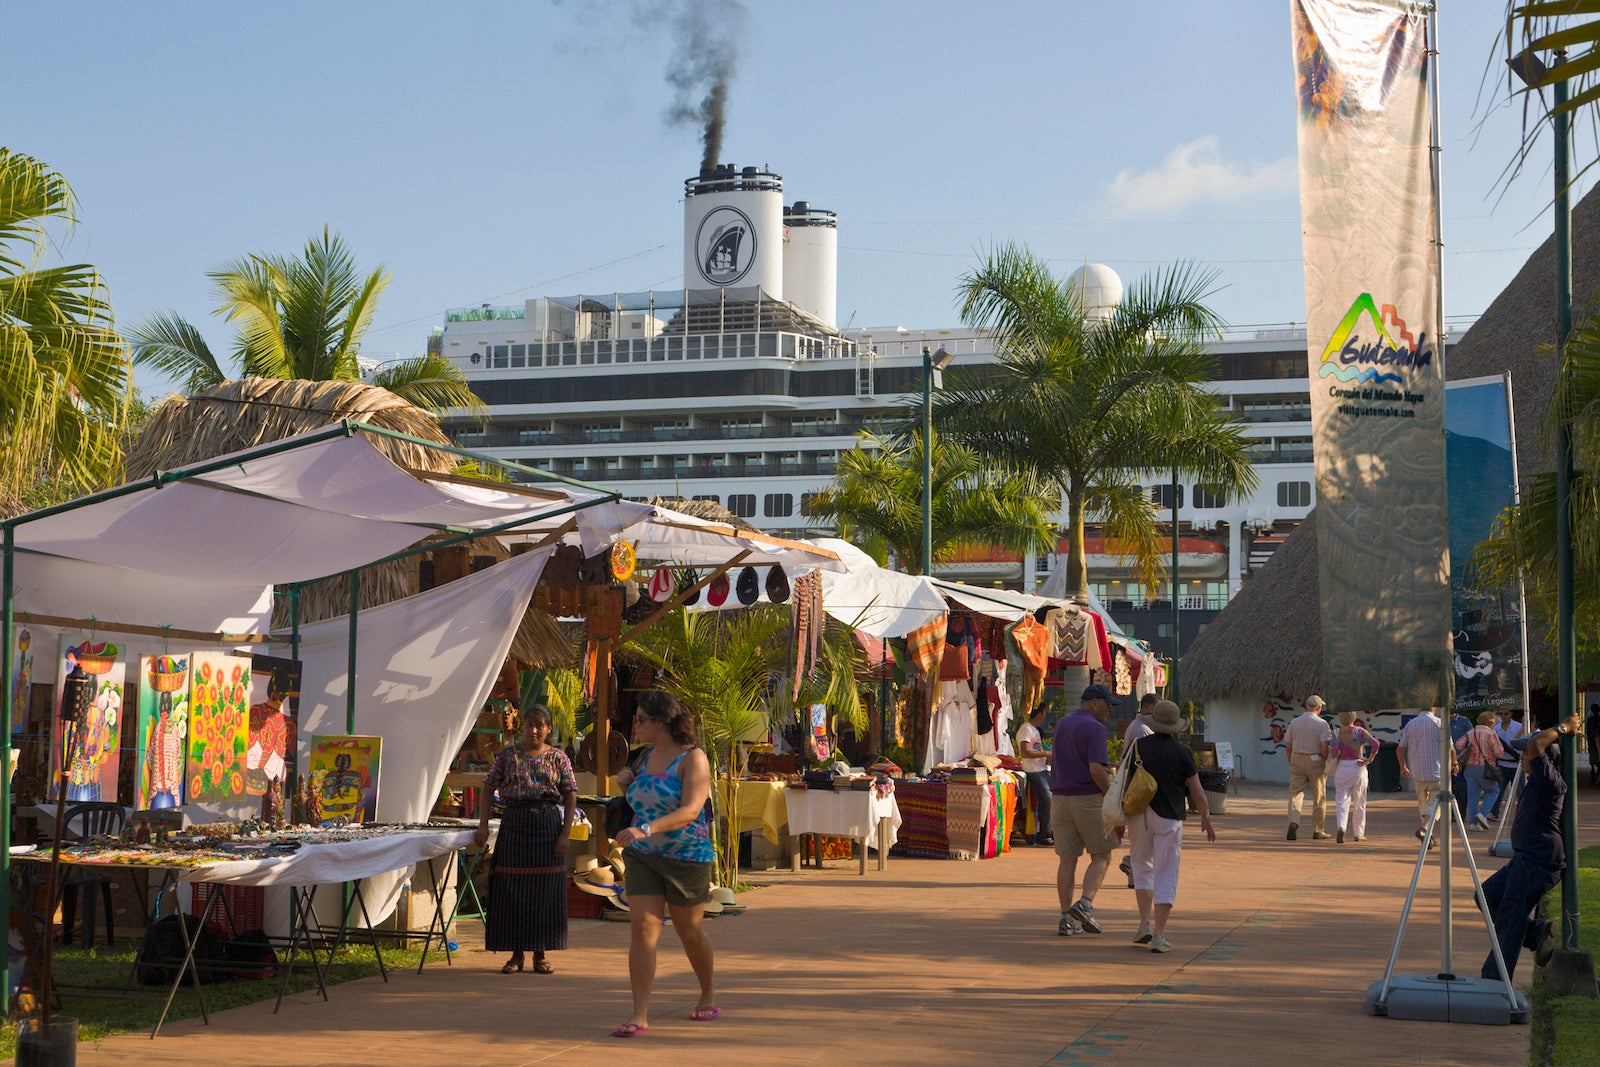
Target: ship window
{"type": "Point", "coordinates": [605, 354]}
{"type": "Point", "coordinates": [742, 504]}
{"type": "Point", "coordinates": [708, 496]}
{"type": "Point", "coordinates": [501, 356]}
{"type": "Point", "coordinates": [1294, 494]}
{"type": "Point", "coordinates": [778, 505]}
{"type": "Point", "coordinates": [1209, 496]}
{"type": "Point", "coordinates": [769, 344]}
{"type": "Point", "coordinates": [675, 348]}
{"type": "Point", "coordinates": [586, 355]}
{"type": "Point", "coordinates": [519, 355]}
{"type": "Point", "coordinates": [747, 345]}
{"type": "Point", "coordinates": [658, 350]}
{"type": "Point", "coordinates": [1161, 496]}
{"type": "Point", "coordinates": [692, 346]}
{"type": "Point", "coordinates": [805, 501]}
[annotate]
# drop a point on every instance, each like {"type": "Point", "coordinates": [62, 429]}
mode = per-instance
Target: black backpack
{"type": "Point", "coordinates": [163, 948]}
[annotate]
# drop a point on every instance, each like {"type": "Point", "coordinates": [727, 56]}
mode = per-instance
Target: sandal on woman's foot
{"type": "Point", "coordinates": [512, 966]}
{"type": "Point", "coordinates": [629, 1030]}
{"type": "Point", "coordinates": [705, 1015]}
{"type": "Point", "coordinates": [542, 966]}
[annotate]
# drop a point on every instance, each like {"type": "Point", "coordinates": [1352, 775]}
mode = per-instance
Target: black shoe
{"type": "Point", "coordinates": [1340, 839]}
{"type": "Point", "coordinates": [1292, 828]}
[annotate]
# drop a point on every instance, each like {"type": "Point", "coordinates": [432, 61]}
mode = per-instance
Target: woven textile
{"type": "Point", "coordinates": [1002, 813]}
{"type": "Point", "coordinates": [922, 831]}
{"type": "Point", "coordinates": [964, 816]}
{"type": "Point", "coordinates": [925, 646]}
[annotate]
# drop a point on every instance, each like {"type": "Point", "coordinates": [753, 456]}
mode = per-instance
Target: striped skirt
{"type": "Point", "coordinates": [527, 883]}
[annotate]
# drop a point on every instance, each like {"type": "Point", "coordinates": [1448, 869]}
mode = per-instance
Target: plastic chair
{"type": "Point", "coordinates": [81, 823]}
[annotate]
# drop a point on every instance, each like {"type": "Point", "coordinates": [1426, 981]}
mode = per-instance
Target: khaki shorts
{"type": "Point", "coordinates": [682, 882]}
{"type": "Point", "coordinates": [1079, 827]}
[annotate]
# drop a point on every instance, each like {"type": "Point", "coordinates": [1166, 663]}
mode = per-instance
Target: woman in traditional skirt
{"type": "Point", "coordinates": [528, 875]}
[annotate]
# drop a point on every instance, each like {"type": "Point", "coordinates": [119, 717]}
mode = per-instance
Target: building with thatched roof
{"type": "Point", "coordinates": [1262, 655]}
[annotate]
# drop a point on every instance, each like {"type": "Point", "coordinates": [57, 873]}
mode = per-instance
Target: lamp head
{"type": "Point", "coordinates": [1528, 67]}
{"type": "Point", "coordinates": [943, 359]}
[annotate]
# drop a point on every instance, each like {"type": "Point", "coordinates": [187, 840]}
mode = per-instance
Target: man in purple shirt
{"type": "Point", "coordinates": [1080, 773]}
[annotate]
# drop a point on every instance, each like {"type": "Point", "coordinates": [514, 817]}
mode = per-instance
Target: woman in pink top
{"type": "Point", "coordinates": [1354, 748]}
{"type": "Point", "coordinates": [1479, 748]}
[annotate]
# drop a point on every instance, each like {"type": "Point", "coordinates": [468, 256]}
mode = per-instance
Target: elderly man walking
{"type": "Point", "coordinates": [1306, 742]}
{"type": "Point", "coordinates": [1080, 772]}
{"type": "Point", "coordinates": [1418, 753]}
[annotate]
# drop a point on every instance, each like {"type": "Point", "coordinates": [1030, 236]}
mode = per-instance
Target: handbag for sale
{"type": "Point", "coordinates": [1141, 787]}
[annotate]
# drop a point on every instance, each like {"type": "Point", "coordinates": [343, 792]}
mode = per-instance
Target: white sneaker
{"type": "Point", "coordinates": [1483, 823]}
{"type": "Point", "coordinates": [1144, 935]}
{"type": "Point", "coordinates": [1160, 944]}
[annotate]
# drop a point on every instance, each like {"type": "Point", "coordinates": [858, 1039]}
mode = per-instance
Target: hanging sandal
{"type": "Point", "coordinates": [542, 966]}
{"type": "Point", "coordinates": [513, 966]}
{"type": "Point", "coordinates": [705, 1015]}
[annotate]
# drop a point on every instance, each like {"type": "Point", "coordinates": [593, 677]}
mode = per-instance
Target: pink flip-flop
{"type": "Point", "coordinates": [705, 1015]}
{"type": "Point", "coordinates": [629, 1030]}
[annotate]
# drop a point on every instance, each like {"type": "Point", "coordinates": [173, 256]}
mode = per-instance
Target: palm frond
{"type": "Point", "coordinates": [168, 343]}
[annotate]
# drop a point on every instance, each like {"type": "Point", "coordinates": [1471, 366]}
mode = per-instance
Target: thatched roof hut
{"type": "Point", "coordinates": [709, 510]}
{"type": "Point", "coordinates": [1268, 639]}
{"type": "Point", "coordinates": [255, 411]}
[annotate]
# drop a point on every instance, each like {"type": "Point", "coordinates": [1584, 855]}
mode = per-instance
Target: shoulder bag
{"type": "Point", "coordinates": [1141, 787]}
{"type": "Point", "coordinates": [1111, 803]}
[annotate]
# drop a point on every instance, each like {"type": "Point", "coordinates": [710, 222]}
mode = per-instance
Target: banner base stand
{"type": "Point", "coordinates": [1449, 999]}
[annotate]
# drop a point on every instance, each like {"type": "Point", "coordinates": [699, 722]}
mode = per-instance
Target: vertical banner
{"type": "Point", "coordinates": [1369, 225]}
{"type": "Point", "coordinates": [1486, 621]}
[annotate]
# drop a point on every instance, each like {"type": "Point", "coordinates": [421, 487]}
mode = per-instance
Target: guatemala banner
{"type": "Point", "coordinates": [1487, 621]}
{"type": "Point", "coordinates": [1368, 222]}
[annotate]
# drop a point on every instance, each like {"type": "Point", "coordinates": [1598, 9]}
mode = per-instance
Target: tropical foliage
{"type": "Point", "coordinates": [876, 501]}
{"type": "Point", "coordinates": [1525, 538]}
{"type": "Point", "coordinates": [1086, 404]}
{"type": "Point", "coordinates": [64, 375]}
{"type": "Point", "coordinates": [295, 318]}
{"type": "Point", "coordinates": [1540, 28]}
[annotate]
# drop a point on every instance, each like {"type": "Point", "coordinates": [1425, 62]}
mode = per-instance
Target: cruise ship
{"type": "Point", "coordinates": [742, 389]}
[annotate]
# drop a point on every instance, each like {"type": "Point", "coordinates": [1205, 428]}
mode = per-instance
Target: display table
{"type": "Point", "coordinates": [861, 815]}
{"type": "Point", "coordinates": [756, 804]}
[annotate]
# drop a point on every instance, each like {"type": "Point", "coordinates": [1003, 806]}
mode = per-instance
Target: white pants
{"type": "Point", "coordinates": [1350, 796]}
{"type": "Point", "coordinates": [1155, 845]}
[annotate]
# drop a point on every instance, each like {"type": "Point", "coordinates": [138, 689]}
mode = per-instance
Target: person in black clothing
{"type": "Point", "coordinates": [1155, 835]}
{"type": "Point", "coordinates": [1538, 853]}
{"type": "Point", "coordinates": [1591, 734]}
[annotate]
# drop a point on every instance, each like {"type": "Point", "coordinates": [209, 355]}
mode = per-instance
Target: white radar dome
{"type": "Point", "coordinates": [1099, 288]}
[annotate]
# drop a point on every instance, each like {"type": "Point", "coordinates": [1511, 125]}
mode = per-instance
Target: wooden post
{"type": "Point", "coordinates": [602, 717]}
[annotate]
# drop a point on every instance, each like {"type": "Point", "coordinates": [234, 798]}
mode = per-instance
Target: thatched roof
{"type": "Point", "coordinates": [708, 510]}
{"type": "Point", "coordinates": [256, 411]}
{"type": "Point", "coordinates": [1268, 639]}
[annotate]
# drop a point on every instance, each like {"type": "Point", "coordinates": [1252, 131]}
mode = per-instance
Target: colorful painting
{"type": "Point", "coordinates": [219, 706]}
{"type": "Point", "coordinates": [21, 678]}
{"type": "Point", "coordinates": [343, 774]}
{"type": "Point", "coordinates": [274, 711]}
{"type": "Point", "coordinates": [92, 773]}
{"type": "Point", "coordinates": [163, 726]}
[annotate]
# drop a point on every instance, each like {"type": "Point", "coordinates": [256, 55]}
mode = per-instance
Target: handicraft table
{"type": "Point", "coordinates": [861, 814]}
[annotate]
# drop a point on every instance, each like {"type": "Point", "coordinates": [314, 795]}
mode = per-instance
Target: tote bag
{"type": "Point", "coordinates": [1111, 804]}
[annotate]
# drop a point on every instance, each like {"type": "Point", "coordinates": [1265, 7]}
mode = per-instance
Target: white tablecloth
{"type": "Point", "coordinates": [346, 861]}
{"type": "Point", "coordinates": [848, 814]}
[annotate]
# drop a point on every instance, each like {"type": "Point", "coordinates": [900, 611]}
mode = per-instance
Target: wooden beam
{"type": "Point", "coordinates": [143, 630]}
{"type": "Point", "coordinates": [513, 488]}
{"type": "Point", "coordinates": [725, 530]}
{"type": "Point", "coordinates": [661, 612]}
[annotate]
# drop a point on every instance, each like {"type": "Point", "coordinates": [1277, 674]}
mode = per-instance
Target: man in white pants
{"type": "Point", "coordinates": [1306, 743]}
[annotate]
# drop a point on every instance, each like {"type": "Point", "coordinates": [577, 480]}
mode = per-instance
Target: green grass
{"type": "Point", "coordinates": [1566, 1030]}
{"type": "Point", "coordinates": [109, 968]}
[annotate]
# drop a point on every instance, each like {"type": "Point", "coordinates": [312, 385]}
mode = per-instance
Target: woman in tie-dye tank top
{"type": "Point", "coordinates": [668, 853]}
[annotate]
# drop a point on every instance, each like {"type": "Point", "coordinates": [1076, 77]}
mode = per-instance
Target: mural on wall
{"type": "Point", "coordinates": [92, 774]}
{"type": "Point", "coordinates": [163, 723]}
{"type": "Point", "coordinates": [342, 772]}
{"type": "Point", "coordinates": [219, 701]}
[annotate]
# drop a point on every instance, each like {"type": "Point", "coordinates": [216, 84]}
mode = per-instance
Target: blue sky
{"type": "Point", "coordinates": [496, 151]}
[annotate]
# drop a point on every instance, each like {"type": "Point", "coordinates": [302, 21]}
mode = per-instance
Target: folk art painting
{"type": "Point", "coordinates": [274, 712]}
{"type": "Point", "coordinates": [163, 726]}
{"type": "Point", "coordinates": [219, 707]}
{"type": "Point", "coordinates": [92, 771]}
{"type": "Point", "coordinates": [343, 778]}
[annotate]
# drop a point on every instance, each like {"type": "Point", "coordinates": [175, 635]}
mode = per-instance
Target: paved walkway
{"type": "Point", "coordinates": [945, 962]}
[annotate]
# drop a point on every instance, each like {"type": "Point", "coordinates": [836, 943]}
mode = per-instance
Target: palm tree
{"type": "Point", "coordinates": [1085, 405]}
{"type": "Point", "coordinates": [1539, 28]}
{"type": "Point", "coordinates": [64, 374]}
{"type": "Point", "coordinates": [876, 500]}
{"type": "Point", "coordinates": [296, 319]}
{"type": "Point", "coordinates": [1524, 542]}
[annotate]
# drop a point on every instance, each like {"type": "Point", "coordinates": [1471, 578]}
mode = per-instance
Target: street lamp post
{"type": "Point", "coordinates": [933, 364]}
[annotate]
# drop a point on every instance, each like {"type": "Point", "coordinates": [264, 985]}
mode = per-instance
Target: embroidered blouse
{"type": "Point", "coordinates": [1354, 748]}
{"type": "Point", "coordinates": [519, 776]}
{"type": "Point", "coordinates": [655, 796]}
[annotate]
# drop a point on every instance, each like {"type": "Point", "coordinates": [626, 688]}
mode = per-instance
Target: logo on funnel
{"type": "Point", "coordinates": [1351, 356]}
{"type": "Point", "coordinates": [725, 245]}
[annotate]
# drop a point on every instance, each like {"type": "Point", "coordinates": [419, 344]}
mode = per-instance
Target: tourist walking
{"type": "Point", "coordinates": [1080, 773]}
{"type": "Point", "coordinates": [1508, 728]}
{"type": "Point", "coordinates": [1418, 753]}
{"type": "Point", "coordinates": [1480, 751]}
{"type": "Point", "coordinates": [667, 854]}
{"type": "Point", "coordinates": [1155, 835]}
{"type": "Point", "coordinates": [1351, 750]}
{"type": "Point", "coordinates": [1538, 855]}
{"type": "Point", "coordinates": [528, 872]}
{"type": "Point", "coordinates": [1035, 760]}
{"type": "Point", "coordinates": [1306, 744]}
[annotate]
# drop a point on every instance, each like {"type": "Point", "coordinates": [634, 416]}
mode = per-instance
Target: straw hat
{"type": "Point", "coordinates": [713, 907]}
{"type": "Point", "coordinates": [584, 866]}
{"type": "Point", "coordinates": [723, 896]}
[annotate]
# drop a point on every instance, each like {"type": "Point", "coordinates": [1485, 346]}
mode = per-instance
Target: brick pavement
{"type": "Point", "coordinates": [944, 962]}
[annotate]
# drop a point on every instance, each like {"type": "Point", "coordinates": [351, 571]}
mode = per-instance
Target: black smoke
{"type": "Point", "coordinates": [706, 36]}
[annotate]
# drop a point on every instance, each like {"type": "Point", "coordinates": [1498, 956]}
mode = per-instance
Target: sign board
{"type": "Point", "coordinates": [1225, 755]}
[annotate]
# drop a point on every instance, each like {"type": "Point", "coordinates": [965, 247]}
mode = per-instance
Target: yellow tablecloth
{"type": "Point", "coordinates": [757, 804]}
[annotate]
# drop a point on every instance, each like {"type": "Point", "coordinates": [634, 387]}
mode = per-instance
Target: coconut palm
{"type": "Point", "coordinates": [1086, 405]}
{"type": "Point", "coordinates": [298, 319]}
{"type": "Point", "coordinates": [876, 500]}
{"type": "Point", "coordinates": [64, 375]}
{"type": "Point", "coordinates": [1540, 27]}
